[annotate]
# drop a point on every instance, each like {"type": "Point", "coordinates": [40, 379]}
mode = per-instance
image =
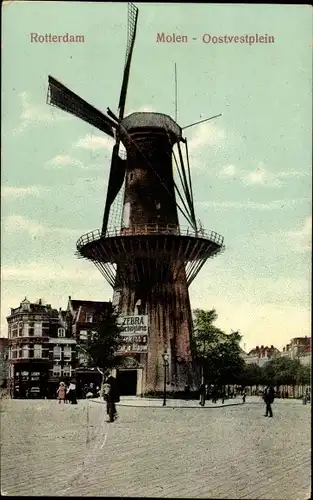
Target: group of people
{"type": "Point", "coordinates": [67, 394]}
{"type": "Point", "coordinates": [109, 392]}
{"type": "Point", "coordinates": [215, 393]}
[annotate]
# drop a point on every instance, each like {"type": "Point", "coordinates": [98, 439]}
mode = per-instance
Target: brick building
{"type": "Point", "coordinates": [79, 320]}
{"type": "Point", "coordinates": [40, 350]}
{"type": "Point", "coordinates": [4, 365]}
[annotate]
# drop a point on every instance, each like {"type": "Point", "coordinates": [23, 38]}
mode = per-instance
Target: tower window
{"type": "Point", "coordinates": [61, 332]}
{"type": "Point", "coordinates": [126, 215]}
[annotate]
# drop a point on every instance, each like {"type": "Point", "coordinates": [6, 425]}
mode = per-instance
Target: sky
{"type": "Point", "coordinates": [251, 167]}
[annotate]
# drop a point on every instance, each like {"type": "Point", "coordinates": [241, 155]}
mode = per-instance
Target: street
{"type": "Point", "coordinates": [225, 452]}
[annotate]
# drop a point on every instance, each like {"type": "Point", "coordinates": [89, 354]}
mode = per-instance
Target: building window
{"type": "Point", "coordinates": [38, 329]}
{"type": "Point", "coordinates": [25, 351]}
{"type": "Point", "coordinates": [89, 318]}
{"type": "Point", "coordinates": [20, 329]}
{"type": "Point", "coordinates": [25, 330]}
{"type": "Point", "coordinates": [83, 335]}
{"type": "Point", "coordinates": [14, 354]}
{"type": "Point", "coordinates": [61, 332]}
{"type": "Point", "coordinates": [57, 353]}
{"type": "Point", "coordinates": [66, 371]}
{"type": "Point", "coordinates": [56, 370]}
{"type": "Point", "coordinates": [67, 353]}
{"type": "Point", "coordinates": [25, 305]}
{"type": "Point", "coordinates": [20, 353]}
{"type": "Point", "coordinates": [37, 351]}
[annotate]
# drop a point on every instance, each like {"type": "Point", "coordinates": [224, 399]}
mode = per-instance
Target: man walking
{"type": "Point", "coordinates": [111, 393]}
{"type": "Point", "coordinates": [268, 397]}
{"type": "Point", "coordinates": [202, 394]}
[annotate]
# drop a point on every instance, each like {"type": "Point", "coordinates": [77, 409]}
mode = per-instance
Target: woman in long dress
{"type": "Point", "coordinates": [61, 392]}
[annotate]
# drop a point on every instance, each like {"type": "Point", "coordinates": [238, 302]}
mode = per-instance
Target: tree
{"type": "Point", "coordinates": [216, 352]}
{"type": "Point", "coordinates": [104, 341]}
{"type": "Point", "coordinates": [251, 375]}
{"type": "Point", "coordinates": [304, 375]}
{"type": "Point", "coordinates": [281, 371]}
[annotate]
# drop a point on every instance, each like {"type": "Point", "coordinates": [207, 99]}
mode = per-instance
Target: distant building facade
{"type": "Point", "coordinates": [299, 348]}
{"type": "Point", "coordinates": [259, 355]}
{"type": "Point", "coordinates": [40, 351]}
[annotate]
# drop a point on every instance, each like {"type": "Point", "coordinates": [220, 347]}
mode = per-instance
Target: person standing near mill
{"type": "Point", "coordinates": [268, 397]}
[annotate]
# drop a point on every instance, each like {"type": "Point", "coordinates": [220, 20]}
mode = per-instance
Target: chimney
{"type": "Point", "coordinates": [39, 302]}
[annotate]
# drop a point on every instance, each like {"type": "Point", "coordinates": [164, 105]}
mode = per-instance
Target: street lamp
{"type": "Point", "coordinates": [165, 357]}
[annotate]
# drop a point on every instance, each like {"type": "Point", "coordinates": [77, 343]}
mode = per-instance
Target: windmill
{"type": "Point", "coordinates": [149, 259]}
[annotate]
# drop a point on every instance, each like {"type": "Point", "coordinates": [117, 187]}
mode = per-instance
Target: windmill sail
{"type": "Point", "coordinates": [117, 164]}
{"type": "Point", "coordinates": [131, 36]}
{"type": "Point", "coordinates": [63, 98]}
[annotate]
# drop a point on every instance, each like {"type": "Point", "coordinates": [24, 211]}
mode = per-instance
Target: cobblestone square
{"type": "Point", "coordinates": [222, 452]}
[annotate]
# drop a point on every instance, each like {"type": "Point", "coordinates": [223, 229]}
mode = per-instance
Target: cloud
{"type": "Point", "coordinates": [273, 205]}
{"type": "Point", "coordinates": [301, 238]}
{"type": "Point", "coordinates": [20, 192]}
{"type": "Point", "coordinates": [19, 223]}
{"type": "Point", "coordinates": [205, 135]}
{"type": "Point", "coordinates": [262, 177]}
{"type": "Point", "coordinates": [33, 114]}
{"type": "Point", "coordinates": [95, 142]}
{"type": "Point", "coordinates": [228, 171]}
{"type": "Point", "coordinates": [64, 160]}
{"type": "Point", "coordinates": [38, 272]}
{"type": "Point", "coordinates": [292, 173]}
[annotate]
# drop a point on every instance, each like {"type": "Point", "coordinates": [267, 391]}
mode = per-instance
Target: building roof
{"type": "Point", "coordinates": [261, 350]}
{"type": "Point", "coordinates": [304, 340]}
{"type": "Point", "coordinates": [89, 304]}
{"type": "Point", "coordinates": [37, 307]}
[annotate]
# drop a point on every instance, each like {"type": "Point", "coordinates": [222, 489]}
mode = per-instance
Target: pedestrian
{"type": "Point", "coordinates": [61, 392]}
{"type": "Point", "coordinates": [268, 397]}
{"type": "Point", "coordinates": [214, 395]}
{"type": "Point", "coordinates": [223, 395]}
{"type": "Point", "coordinates": [71, 392]}
{"type": "Point", "coordinates": [202, 394]}
{"type": "Point", "coordinates": [244, 396]}
{"type": "Point", "coordinates": [110, 393]}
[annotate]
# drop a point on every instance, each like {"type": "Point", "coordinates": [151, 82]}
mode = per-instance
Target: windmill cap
{"type": "Point", "coordinates": [144, 121]}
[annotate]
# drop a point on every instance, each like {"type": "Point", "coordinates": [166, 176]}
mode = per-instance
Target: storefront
{"type": "Point", "coordinates": [30, 383]}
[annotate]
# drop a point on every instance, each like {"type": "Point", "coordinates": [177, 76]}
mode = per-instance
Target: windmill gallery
{"type": "Point", "coordinates": [146, 256]}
